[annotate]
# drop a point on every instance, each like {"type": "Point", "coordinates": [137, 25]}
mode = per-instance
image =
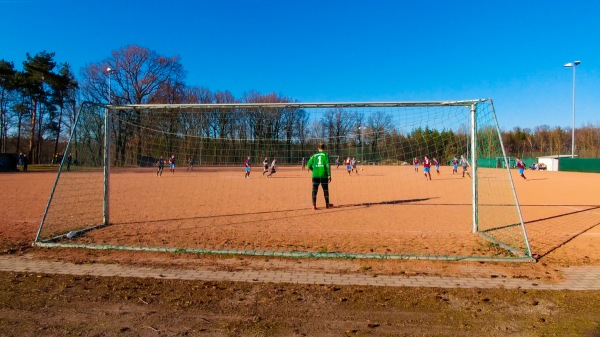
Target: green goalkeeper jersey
{"type": "Point", "coordinates": [319, 164]}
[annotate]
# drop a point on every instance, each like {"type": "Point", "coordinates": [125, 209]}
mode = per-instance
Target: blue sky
{"type": "Point", "coordinates": [336, 51]}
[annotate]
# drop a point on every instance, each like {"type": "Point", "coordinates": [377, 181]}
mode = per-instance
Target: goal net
{"type": "Point", "coordinates": [115, 193]}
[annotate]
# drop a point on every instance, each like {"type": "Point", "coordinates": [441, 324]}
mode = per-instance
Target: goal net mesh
{"type": "Point", "coordinates": [385, 206]}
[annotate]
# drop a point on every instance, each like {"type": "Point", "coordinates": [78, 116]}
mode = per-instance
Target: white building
{"type": "Point", "coordinates": [551, 162]}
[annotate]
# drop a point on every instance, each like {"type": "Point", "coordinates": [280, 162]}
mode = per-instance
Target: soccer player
{"type": "Point", "coordinates": [273, 166]}
{"type": "Point", "coordinates": [303, 163]}
{"type": "Point", "coordinates": [521, 167]}
{"type": "Point", "coordinates": [353, 163]}
{"type": "Point", "coordinates": [454, 165]}
{"type": "Point", "coordinates": [161, 165]}
{"type": "Point", "coordinates": [172, 164]}
{"type": "Point", "coordinates": [265, 166]}
{"type": "Point", "coordinates": [337, 162]}
{"type": "Point", "coordinates": [247, 167]}
{"type": "Point", "coordinates": [464, 163]}
{"type": "Point", "coordinates": [321, 175]}
{"type": "Point", "coordinates": [416, 164]}
{"type": "Point", "coordinates": [348, 165]}
{"type": "Point", "coordinates": [426, 167]}
{"type": "Point", "coordinates": [191, 164]}
{"type": "Point", "coordinates": [437, 166]}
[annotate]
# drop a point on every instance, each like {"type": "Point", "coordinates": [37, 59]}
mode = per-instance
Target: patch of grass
{"type": "Point", "coordinates": [323, 249]}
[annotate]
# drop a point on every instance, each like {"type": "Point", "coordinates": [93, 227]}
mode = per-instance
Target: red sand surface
{"type": "Point", "coordinates": [385, 210]}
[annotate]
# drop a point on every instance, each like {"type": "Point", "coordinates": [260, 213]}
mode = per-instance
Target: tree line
{"type": "Point", "coordinates": [38, 105]}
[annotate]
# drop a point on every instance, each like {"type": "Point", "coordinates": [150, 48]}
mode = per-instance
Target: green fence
{"type": "Point", "coordinates": [564, 164]}
{"type": "Point", "coordinates": [499, 162]}
{"type": "Point", "coordinates": [579, 164]}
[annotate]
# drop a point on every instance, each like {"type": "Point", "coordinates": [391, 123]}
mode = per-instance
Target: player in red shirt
{"type": "Point", "coordinates": [348, 165]}
{"type": "Point", "coordinates": [521, 167]}
{"type": "Point", "coordinates": [416, 164]}
{"type": "Point", "coordinates": [426, 167]}
{"type": "Point", "coordinates": [454, 165]}
{"type": "Point", "coordinates": [247, 167]}
{"type": "Point", "coordinates": [172, 164]}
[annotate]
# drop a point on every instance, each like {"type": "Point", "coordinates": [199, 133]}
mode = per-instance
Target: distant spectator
{"type": "Point", "coordinates": [21, 156]}
{"type": "Point", "coordinates": [69, 161]}
{"type": "Point", "coordinates": [25, 163]}
{"type": "Point", "coordinates": [191, 164]}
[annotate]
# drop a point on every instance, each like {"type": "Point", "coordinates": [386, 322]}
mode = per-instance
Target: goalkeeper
{"type": "Point", "coordinates": [321, 175]}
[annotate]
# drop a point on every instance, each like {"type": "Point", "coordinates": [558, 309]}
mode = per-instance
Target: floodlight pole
{"type": "Point", "coordinates": [106, 215]}
{"type": "Point", "coordinates": [573, 65]}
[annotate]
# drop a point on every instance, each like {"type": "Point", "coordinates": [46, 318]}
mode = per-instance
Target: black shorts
{"type": "Point", "coordinates": [320, 181]}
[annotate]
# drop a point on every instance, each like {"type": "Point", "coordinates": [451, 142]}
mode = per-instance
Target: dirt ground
{"type": "Point", "coordinates": [386, 210]}
{"type": "Point", "coordinates": [561, 211]}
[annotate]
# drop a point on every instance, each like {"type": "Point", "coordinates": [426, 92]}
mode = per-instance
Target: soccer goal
{"type": "Point", "coordinates": [173, 177]}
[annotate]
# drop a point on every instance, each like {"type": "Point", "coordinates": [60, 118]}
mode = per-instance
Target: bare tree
{"type": "Point", "coordinates": [542, 137]}
{"type": "Point", "coordinates": [265, 123]}
{"type": "Point", "coordinates": [138, 74]}
{"type": "Point", "coordinates": [338, 124]}
{"type": "Point", "coordinates": [588, 141]}
{"type": "Point", "coordinates": [378, 123]}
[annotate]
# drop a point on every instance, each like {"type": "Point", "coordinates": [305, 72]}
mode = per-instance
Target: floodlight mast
{"type": "Point", "coordinates": [573, 65]}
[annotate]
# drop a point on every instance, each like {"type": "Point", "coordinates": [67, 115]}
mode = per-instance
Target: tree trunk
{"type": "Point", "coordinates": [3, 127]}
{"type": "Point", "coordinates": [32, 133]}
{"type": "Point", "coordinates": [58, 130]}
{"type": "Point", "coordinates": [19, 125]}
{"type": "Point", "coordinates": [2, 132]}
{"type": "Point", "coordinates": [138, 155]}
{"type": "Point", "coordinates": [38, 143]}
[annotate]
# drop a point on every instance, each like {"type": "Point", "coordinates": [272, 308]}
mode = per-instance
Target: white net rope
{"type": "Point", "coordinates": [384, 205]}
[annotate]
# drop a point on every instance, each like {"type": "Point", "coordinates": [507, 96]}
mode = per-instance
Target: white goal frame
{"type": "Point", "coordinates": [472, 104]}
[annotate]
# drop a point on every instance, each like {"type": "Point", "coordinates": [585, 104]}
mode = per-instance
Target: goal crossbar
{"type": "Point", "coordinates": [464, 103]}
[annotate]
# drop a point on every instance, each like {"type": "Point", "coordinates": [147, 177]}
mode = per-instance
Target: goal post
{"type": "Point", "coordinates": [170, 177]}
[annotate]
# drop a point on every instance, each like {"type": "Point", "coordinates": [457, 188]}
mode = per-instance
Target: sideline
{"type": "Point", "coordinates": [575, 278]}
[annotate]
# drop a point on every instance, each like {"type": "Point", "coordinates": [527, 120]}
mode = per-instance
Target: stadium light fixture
{"type": "Point", "coordinates": [573, 65]}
